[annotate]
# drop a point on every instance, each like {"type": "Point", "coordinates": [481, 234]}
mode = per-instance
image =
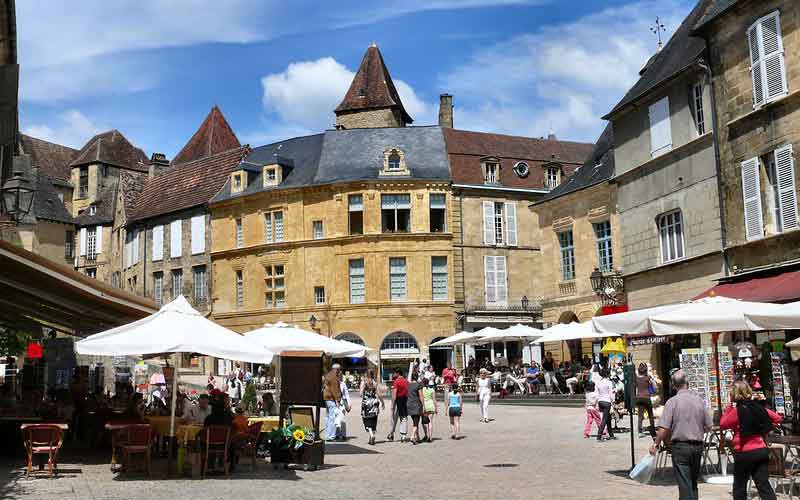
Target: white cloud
{"type": "Point", "coordinates": [561, 78]}
{"type": "Point", "coordinates": [304, 95]}
{"type": "Point", "coordinates": [73, 129]}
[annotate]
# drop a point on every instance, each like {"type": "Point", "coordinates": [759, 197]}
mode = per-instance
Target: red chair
{"type": "Point", "coordinates": [138, 441]}
{"type": "Point", "coordinates": [43, 439]}
{"type": "Point", "coordinates": [218, 439]}
{"type": "Point", "coordinates": [249, 442]}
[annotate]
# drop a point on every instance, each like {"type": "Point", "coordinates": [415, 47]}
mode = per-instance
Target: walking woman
{"type": "Point", "coordinates": [605, 398]}
{"type": "Point", "coordinates": [484, 394]}
{"type": "Point", "coordinates": [371, 404]}
{"type": "Point", "coordinates": [644, 385]}
{"type": "Point", "coordinates": [429, 409]}
{"type": "Point", "coordinates": [455, 406]}
{"type": "Point", "coordinates": [750, 421]}
{"type": "Point", "coordinates": [414, 406]}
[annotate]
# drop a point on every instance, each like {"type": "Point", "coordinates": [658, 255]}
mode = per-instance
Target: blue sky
{"type": "Point", "coordinates": [154, 68]}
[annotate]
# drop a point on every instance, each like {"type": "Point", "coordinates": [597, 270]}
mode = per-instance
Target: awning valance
{"type": "Point", "coordinates": [781, 287]}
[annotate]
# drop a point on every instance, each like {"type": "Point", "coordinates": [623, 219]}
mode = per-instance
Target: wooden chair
{"type": "Point", "coordinates": [217, 441]}
{"type": "Point", "coordinates": [249, 444]}
{"type": "Point", "coordinates": [43, 439]}
{"type": "Point", "coordinates": [138, 440]}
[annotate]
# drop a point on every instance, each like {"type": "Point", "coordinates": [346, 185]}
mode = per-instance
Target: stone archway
{"type": "Point", "coordinates": [568, 317]}
{"type": "Point", "coordinates": [440, 356]}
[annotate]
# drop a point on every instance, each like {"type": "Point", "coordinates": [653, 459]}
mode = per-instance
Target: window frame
{"type": "Point", "coordinates": [351, 211]}
{"type": "Point", "coordinates": [445, 274]}
{"type": "Point", "coordinates": [83, 182]}
{"type": "Point", "coordinates": [443, 210]}
{"type": "Point", "coordinates": [393, 274]}
{"type": "Point", "coordinates": [319, 295]}
{"type": "Point", "coordinates": [361, 299]}
{"type": "Point", "coordinates": [604, 245]}
{"type": "Point", "coordinates": [395, 212]}
{"type": "Point", "coordinates": [158, 287]}
{"type": "Point", "coordinates": [271, 219]}
{"type": "Point", "coordinates": [177, 282]}
{"type": "Point", "coordinates": [666, 225]}
{"type": "Point", "coordinates": [566, 254]}
{"type": "Point", "coordinates": [552, 177]}
{"type": "Point", "coordinates": [69, 245]}
{"type": "Point", "coordinates": [273, 273]}
{"type": "Point", "coordinates": [698, 109]}
{"type": "Point", "coordinates": [491, 172]}
{"type": "Point", "coordinates": [317, 235]}
{"type": "Point", "coordinates": [200, 284]}
{"type": "Point", "coordinates": [239, 290]}
{"type": "Point", "coordinates": [239, 232]}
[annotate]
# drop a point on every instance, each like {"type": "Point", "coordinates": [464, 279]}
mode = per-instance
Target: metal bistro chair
{"type": "Point", "coordinates": [249, 444]}
{"type": "Point", "coordinates": [43, 439]}
{"type": "Point", "coordinates": [217, 441]}
{"type": "Point", "coordinates": [710, 445]}
{"type": "Point", "coordinates": [662, 456]}
{"type": "Point", "coordinates": [139, 441]}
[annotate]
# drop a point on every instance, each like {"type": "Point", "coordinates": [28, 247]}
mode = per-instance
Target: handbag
{"type": "Point", "coordinates": [652, 387]}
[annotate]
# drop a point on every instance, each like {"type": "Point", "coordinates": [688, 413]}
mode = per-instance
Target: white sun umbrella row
{"type": "Point", "coordinates": [280, 337]}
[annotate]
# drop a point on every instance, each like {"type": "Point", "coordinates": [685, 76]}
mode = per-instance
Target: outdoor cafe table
{"type": "Point", "coordinates": [267, 423]}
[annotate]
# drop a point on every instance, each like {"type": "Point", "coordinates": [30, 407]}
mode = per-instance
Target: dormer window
{"type": "Point", "coordinates": [273, 175]}
{"type": "Point", "coordinates": [491, 172]}
{"type": "Point", "coordinates": [394, 163]}
{"type": "Point", "coordinates": [238, 181]}
{"type": "Point", "coordinates": [553, 177]}
{"type": "Point", "coordinates": [92, 209]}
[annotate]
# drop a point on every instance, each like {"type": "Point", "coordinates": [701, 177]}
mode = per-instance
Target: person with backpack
{"type": "Point", "coordinates": [750, 421]}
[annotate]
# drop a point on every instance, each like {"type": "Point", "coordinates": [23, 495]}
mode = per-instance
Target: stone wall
{"type": "Point", "coordinates": [673, 283]}
{"type": "Point", "coordinates": [371, 118]}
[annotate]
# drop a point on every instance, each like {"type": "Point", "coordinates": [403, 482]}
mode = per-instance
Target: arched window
{"type": "Point", "coordinates": [394, 161]}
{"type": "Point", "coordinates": [399, 341]}
{"type": "Point", "coordinates": [351, 337]}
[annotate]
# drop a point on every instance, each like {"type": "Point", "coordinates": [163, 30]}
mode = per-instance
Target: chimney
{"type": "Point", "coordinates": [157, 161]}
{"type": "Point", "coordinates": [552, 137]}
{"type": "Point", "coordinates": [446, 111]}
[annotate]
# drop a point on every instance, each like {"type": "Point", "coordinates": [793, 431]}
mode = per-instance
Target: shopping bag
{"type": "Point", "coordinates": [644, 470]}
{"type": "Point", "coordinates": [338, 416]}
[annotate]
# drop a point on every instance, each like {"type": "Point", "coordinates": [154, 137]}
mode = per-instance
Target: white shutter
{"type": "Point", "coordinates": [488, 223]}
{"type": "Point", "coordinates": [83, 241]}
{"type": "Point", "coordinates": [751, 191]}
{"type": "Point", "coordinates": [767, 58]}
{"type": "Point", "coordinates": [98, 240]}
{"type": "Point", "coordinates": [501, 275]}
{"type": "Point", "coordinates": [660, 132]}
{"type": "Point", "coordinates": [489, 276]}
{"type": "Point", "coordinates": [135, 247]}
{"type": "Point", "coordinates": [198, 234]}
{"type": "Point", "coordinates": [511, 223]}
{"type": "Point", "coordinates": [787, 197]}
{"type": "Point", "coordinates": [755, 66]}
{"type": "Point", "coordinates": [127, 250]}
{"type": "Point", "coordinates": [158, 243]}
{"type": "Point", "coordinates": [175, 238]}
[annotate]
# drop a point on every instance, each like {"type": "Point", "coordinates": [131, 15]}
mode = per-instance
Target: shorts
{"type": "Point", "coordinates": [454, 412]}
{"type": "Point", "coordinates": [400, 404]}
{"type": "Point", "coordinates": [415, 419]}
{"type": "Point", "coordinates": [425, 420]}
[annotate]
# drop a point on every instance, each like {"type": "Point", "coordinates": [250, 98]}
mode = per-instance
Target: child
{"type": "Point", "coordinates": [454, 409]}
{"type": "Point", "coordinates": [429, 409]}
{"type": "Point", "coordinates": [592, 413]}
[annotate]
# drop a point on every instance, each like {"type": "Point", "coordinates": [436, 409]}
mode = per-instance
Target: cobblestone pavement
{"type": "Point", "coordinates": [525, 452]}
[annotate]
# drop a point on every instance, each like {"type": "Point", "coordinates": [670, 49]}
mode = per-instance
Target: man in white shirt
{"type": "Point", "coordinates": [196, 414]}
{"type": "Point", "coordinates": [345, 406]}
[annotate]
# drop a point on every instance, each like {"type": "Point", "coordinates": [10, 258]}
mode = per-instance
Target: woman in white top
{"type": "Point", "coordinates": [605, 398]}
{"type": "Point", "coordinates": [484, 393]}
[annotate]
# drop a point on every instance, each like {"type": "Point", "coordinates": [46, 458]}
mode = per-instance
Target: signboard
{"type": "Point", "coordinates": [652, 339]}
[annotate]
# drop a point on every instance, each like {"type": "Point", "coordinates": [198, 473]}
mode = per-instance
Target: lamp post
{"type": "Point", "coordinates": [312, 321]}
{"type": "Point", "coordinates": [17, 197]}
{"type": "Point", "coordinates": [610, 287]}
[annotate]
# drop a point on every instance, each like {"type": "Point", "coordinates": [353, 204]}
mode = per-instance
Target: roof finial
{"type": "Point", "coordinates": [373, 44]}
{"type": "Point", "coordinates": [657, 28]}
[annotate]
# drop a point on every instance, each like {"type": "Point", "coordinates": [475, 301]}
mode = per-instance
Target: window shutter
{"type": "Point", "coordinates": [158, 243]}
{"type": "Point", "coordinates": [500, 279]}
{"type": "Point", "coordinates": [787, 197]}
{"type": "Point", "coordinates": [127, 248]}
{"type": "Point", "coordinates": [660, 132]}
{"type": "Point", "coordinates": [268, 238]}
{"type": "Point", "coordinates": [751, 190]}
{"type": "Point", "coordinates": [488, 223]}
{"type": "Point", "coordinates": [278, 226]}
{"type": "Point", "coordinates": [755, 66]}
{"type": "Point", "coordinates": [83, 242]}
{"type": "Point", "coordinates": [135, 247]}
{"type": "Point", "coordinates": [98, 240]}
{"type": "Point", "coordinates": [511, 223]}
{"type": "Point", "coordinates": [175, 238]}
{"type": "Point", "coordinates": [773, 60]}
{"type": "Point", "coordinates": [198, 234]}
{"type": "Point", "coordinates": [491, 283]}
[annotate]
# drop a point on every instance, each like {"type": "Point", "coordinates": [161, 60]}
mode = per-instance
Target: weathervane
{"type": "Point", "coordinates": [657, 28]}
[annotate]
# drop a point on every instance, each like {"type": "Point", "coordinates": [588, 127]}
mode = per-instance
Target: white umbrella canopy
{"type": "Point", "coordinates": [458, 338]}
{"type": "Point", "coordinates": [511, 334]}
{"type": "Point", "coordinates": [175, 328]}
{"type": "Point", "coordinates": [279, 337]}
{"type": "Point", "coordinates": [711, 314]}
{"type": "Point", "coordinates": [570, 331]}
{"type": "Point", "coordinates": [483, 333]}
{"type": "Point", "coordinates": [628, 323]}
{"type": "Point", "coordinates": [782, 317]}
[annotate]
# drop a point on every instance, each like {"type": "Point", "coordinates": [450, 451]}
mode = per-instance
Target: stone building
{"type": "Point", "coordinates": [578, 232]}
{"type": "Point", "coordinates": [666, 176]}
{"type": "Point", "coordinates": [496, 245]}
{"type": "Point", "coordinates": [754, 53]}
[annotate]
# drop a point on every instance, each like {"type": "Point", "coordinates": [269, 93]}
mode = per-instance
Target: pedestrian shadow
{"type": "Point", "coordinates": [664, 477]}
{"type": "Point", "coordinates": [348, 449]}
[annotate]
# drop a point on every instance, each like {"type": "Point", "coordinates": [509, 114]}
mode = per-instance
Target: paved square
{"type": "Point", "coordinates": [526, 452]}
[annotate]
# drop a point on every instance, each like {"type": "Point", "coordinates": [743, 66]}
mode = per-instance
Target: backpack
{"type": "Point", "coordinates": [753, 419]}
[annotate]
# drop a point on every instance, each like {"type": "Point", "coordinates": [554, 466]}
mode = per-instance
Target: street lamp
{"type": "Point", "coordinates": [610, 287]}
{"type": "Point", "coordinates": [524, 302]}
{"type": "Point", "coordinates": [313, 322]}
{"type": "Point", "coordinates": [17, 197]}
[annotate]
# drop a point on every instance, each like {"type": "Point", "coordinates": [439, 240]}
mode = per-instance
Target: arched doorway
{"type": "Point", "coordinates": [398, 349]}
{"type": "Point", "coordinates": [440, 355]}
{"type": "Point", "coordinates": [353, 364]}
{"type": "Point", "coordinates": [573, 350]}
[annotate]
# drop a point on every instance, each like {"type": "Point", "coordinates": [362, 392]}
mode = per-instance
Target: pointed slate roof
{"type": "Point", "coordinates": [46, 203]}
{"type": "Point", "coordinates": [112, 148]}
{"type": "Point", "coordinates": [52, 159]}
{"type": "Point", "coordinates": [372, 87]}
{"type": "Point", "coordinates": [214, 136]}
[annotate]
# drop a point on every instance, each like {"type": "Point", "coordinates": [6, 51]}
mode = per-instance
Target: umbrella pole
{"type": "Point", "coordinates": [173, 397]}
{"type": "Point", "coordinates": [715, 338]}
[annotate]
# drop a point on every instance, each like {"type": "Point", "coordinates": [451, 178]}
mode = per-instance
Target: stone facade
{"type": "Point", "coordinates": [747, 132]}
{"type": "Point", "coordinates": [370, 118]}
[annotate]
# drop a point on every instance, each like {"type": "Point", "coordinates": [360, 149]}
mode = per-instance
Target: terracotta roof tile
{"type": "Point", "coordinates": [372, 87]}
{"type": "Point", "coordinates": [52, 159]}
{"type": "Point", "coordinates": [466, 149]}
{"type": "Point", "coordinates": [186, 185]}
{"type": "Point", "coordinates": [214, 136]}
{"type": "Point", "coordinates": [112, 148]}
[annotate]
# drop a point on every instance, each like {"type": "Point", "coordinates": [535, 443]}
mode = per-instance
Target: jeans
{"type": "Point", "coordinates": [605, 424]}
{"type": "Point", "coordinates": [642, 405]}
{"type": "Point", "coordinates": [550, 380]}
{"type": "Point", "coordinates": [752, 464]}
{"type": "Point", "coordinates": [686, 458]}
{"type": "Point", "coordinates": [330, 420]}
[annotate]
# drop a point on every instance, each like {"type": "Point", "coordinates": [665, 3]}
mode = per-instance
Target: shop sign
{"type": "Point", "coordinates": [652, 339]}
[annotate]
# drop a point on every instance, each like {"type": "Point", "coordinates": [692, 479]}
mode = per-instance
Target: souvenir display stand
{"type": "Point", "coordinates": [782, 394]}
{"type": "Point", "coordinates": [702, 374]}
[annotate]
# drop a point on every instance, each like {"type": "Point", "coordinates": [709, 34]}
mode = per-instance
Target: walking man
{"type": "Point", "coordinates": [332, 394]}
{"type": "Point", "coordinates": [399, 409]}
{"type": "Point", "coordinates": [684, 420]}
{"type": "Point", "coordinates": [548, 365]}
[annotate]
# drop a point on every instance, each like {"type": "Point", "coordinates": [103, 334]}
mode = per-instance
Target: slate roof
{"type": "Point", "coordinates": [715, 9]}
{"type": "Point", "coordinates": [466, 149]}
{"type": "Point", "coordinates": [347, 155]}
{"type": "Point", "coordinates": [598, 168]}
{"type": "Point", "coordinates": [214, 136]}
{"type": "Point", "coordinates": [104, 203]}
{"type": "Point", "coordinates": [52, 159]}
{"type": "Point", "coordinates": [186, 185]}
{"type": "Point", "coordinates": [112, 148]}
{"type": "Point", "coordinates": [372, 87]}
{"type": "Point", "coordinates": [46, 203]}
{"type": "Point", "coordinates": [679, 53]}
